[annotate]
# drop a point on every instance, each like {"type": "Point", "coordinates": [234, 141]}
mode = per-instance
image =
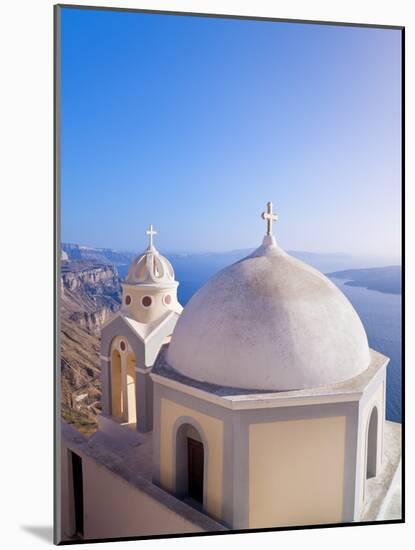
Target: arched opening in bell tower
{"type": "Point", "coordinates": [117, 402]}
{"type": "Point", "coordinates": [131, 390]}
{"type": "Point", "coordinates": [123, 382]}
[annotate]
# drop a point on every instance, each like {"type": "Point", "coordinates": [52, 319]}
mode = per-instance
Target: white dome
{"type": "Point", "coordinates": [269, 322]}
{"type": "Point", "coordinates": [150, 267]}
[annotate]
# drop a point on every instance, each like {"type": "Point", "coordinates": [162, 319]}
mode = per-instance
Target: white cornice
{"type": "Point", "coordinates": [259, 400]}
{"type": "Point", "coordinates": [347, 391]}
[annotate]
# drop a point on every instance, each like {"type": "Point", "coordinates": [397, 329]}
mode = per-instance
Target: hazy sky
{"type": "Point", "coordinates": [193, 124]}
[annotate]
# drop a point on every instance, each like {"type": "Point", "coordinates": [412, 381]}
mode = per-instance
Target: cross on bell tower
{"type": "Point", "coordinates": [270, 217]}
{"type": "Point", "coordinates": [151, 232]}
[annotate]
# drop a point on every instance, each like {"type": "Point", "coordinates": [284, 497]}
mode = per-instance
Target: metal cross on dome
{"type": "Point", "coordinates": [151, 232]}
{"type": "Point", "coordinates": [270, 217]}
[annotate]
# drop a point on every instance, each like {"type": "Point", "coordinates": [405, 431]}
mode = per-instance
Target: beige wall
{"type": "Point", "coordinates": [296, 472]}
{"type": "Point", "coordinates": [115, 508]}
{"type": "Point", "coordinates": [170, 412]}
{"type": "Point", "coordinates": [377, 398]}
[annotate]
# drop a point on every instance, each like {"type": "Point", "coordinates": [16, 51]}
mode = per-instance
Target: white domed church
{"type": "Point", "coordinates": [268, 403]}
{"type": "Point", "coordinates": [260, 404]}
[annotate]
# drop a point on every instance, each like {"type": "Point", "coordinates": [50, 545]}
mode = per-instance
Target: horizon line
{"type": "Point", "coordinates": [397, 255]}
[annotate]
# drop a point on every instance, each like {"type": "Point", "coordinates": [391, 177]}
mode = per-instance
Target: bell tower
{"type": "Point", "coordinates": [132, 339]}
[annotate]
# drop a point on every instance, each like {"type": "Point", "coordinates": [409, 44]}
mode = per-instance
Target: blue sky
{"type": "Point", "coordinates": [193, 124]}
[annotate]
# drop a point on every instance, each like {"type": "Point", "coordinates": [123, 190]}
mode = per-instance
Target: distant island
{"type": "Point", "coordinates": [384, 279]}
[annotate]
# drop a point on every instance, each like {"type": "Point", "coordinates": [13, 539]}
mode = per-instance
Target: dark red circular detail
{"type": "Point", "coordinates": [167, 299]}
{"type": "Point", "coordinates": [147, 301]}
{"type": "Point", "coordinates": [128, 300]}
{"type": "Point", "coordinates": [122, 345]}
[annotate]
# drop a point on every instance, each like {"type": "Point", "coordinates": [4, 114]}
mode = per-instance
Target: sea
{"type": "Point", "coordinates": [381, 316]}
{"type": "Point", "coordinates": [380, 313]}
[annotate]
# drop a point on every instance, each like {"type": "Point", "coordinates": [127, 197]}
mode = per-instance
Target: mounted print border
{"type": "Point", "coordinates": [269, 401]}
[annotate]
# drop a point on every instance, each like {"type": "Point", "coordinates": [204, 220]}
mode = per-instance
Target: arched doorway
{"type": "Point", "coordinates": [190, 463]}
{"type": "Point", "coordinates": [372, 444]}
{"type": "Point", "coordinates": [117, 402]}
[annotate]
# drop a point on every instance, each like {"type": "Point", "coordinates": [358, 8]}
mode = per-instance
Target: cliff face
{"type": "Point", "coordinates": [90, 293]}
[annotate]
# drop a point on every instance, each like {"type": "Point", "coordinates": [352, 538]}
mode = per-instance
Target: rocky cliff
{"type": "Point", "coordinates": [90, 293]}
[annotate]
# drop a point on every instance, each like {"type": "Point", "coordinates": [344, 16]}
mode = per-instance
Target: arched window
{"type": "Point", "coordinates": [190, 464]}
{"type": "Point", "coordinates": [372, 444]}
